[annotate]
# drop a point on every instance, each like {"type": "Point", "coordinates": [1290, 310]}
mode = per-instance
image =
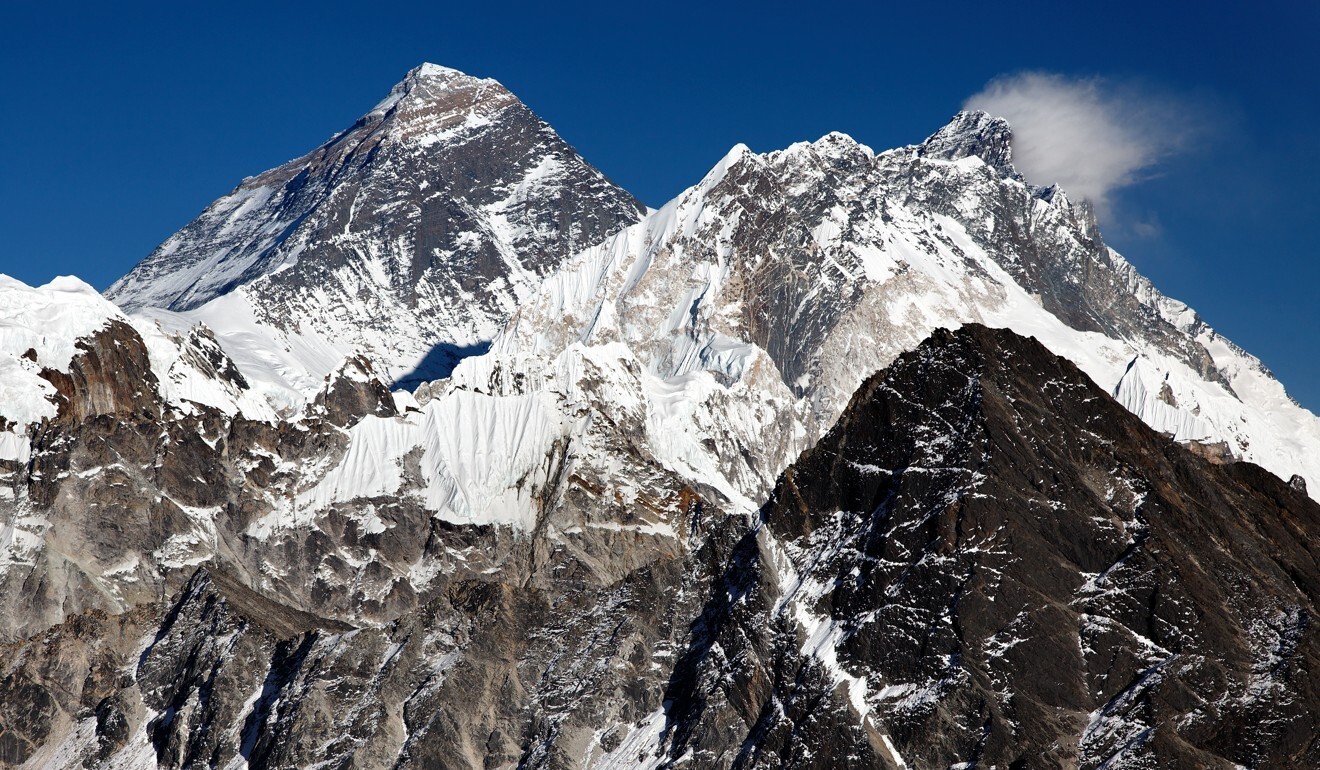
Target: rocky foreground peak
{"type": "Point", "coordinates": [989, 562]}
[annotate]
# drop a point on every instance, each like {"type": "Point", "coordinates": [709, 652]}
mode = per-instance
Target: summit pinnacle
{"type": "Point", "coordinates": [410, 236]}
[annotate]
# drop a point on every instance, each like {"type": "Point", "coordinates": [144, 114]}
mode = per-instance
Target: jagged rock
{"type": "Point", "coordinates": [76, 672]}
{"type": "Point", "coordinates": [1216, 452]}
{"type": "Point", "coordinates": [352, 392]}
{"type": "Point", "coordinates": [1009, 568]}
{"type": "Point", "coordinates": [95, 384]}
{"type": "Point", "coordinates": [973, 134]}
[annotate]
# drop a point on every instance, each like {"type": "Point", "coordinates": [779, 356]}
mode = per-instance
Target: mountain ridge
{"type": "Point", "coordinates": [759, 642]}
{"type": "Point", "coordinates": [882, 248]}
{"type": "Point", "coordinates": [719, 486]}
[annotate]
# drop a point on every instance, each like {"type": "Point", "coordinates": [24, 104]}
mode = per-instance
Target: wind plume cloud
{"type": "Point", "coordinates": [1089, 136]}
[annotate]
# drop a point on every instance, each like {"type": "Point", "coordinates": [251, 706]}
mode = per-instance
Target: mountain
{"type": "Point", "coordinates": [770, 290]}
{"type": "Point", "coordinates": [989, 562]}
{"type": "Point", "coordinates": [969, 568]}
{"type": "Point", "coordinates": [650, 502]}
{"type": "Point", "coordinates": [410, 236]}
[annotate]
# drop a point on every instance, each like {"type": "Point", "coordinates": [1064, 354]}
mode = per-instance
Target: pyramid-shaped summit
{"type": "Point", "coordinates": [417, 228]}
{"type": "Point", "coordinates": [432, 102]}
{"type": "Point", "coordinates": [973, 133]}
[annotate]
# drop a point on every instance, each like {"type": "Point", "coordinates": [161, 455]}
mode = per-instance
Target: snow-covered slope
{"type": "Point", "coordinates": [410, 236]}
{"type": "Point", "coordinates": [43, 328]}
{"type": "Point", "coordinates": [755, 302]}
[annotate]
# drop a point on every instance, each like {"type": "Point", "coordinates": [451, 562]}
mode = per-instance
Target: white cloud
{"type": "Point", "coordinates": [1089, 136]}
{"type": "Point", "coordinates": [1149, 227]}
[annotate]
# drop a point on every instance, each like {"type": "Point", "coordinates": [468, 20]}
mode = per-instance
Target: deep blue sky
{"type": "Point", "coordinates": [122, 121]}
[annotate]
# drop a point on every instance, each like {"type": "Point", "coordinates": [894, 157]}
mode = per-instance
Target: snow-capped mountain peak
{"type": "Point", "coordinates": [973, 133]}
{"type": "Point", "coordinates": [433, 103]}
{"type": "Point", "coordinates": [428, 75]}
{"type": "Point", "coordinates": [410, 237]}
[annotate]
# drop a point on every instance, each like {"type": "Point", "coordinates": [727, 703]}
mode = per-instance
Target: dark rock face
{"type": "Point", "coordinates": [77, 670]}
{"type": "Point", "coordinates": [973, 133]}
{"type": "Point", "coordinates": [352, 392]}
{"type": "Point", "coordinates": [96, 385]}
{"type": "Point", "coordinates": [1023, 573]}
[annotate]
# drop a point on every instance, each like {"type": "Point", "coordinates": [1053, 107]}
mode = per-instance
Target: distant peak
{"type": "Point", "coordinates": [429, 82]}
{"type": "Point", "coordinates": [837, 144]}
{"type": "Point", "coordinates": [973, 132]}
{"type": "Point", "coordinates": [429, 70]}
{"type": "Point", "coordinates": [837, 138]}
{"type": "Point", "coordinates": [830, 149]}
{"type": "Point", "coordinates": [438, 74]}
{"type": "Point", "coordinates": [732, 158]}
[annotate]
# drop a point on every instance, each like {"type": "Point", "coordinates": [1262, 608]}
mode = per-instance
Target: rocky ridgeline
{"type": "Point", "coordinates": [987, 560]}
{"type": "Point", "coordinates": [661, 509]}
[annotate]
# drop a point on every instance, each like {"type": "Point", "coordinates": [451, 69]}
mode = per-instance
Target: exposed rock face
{"type": "Point", "coordinates": [524, 650]}
{"type": "Point", "coordinates": [96, 385]}
{"type": "Point", "coordinates": [973, 134]}
{"type": "Point", "coordinates": [352, 392]}
{"type": "Point", "coordinates": [1001, 566]}
{"type": "Point", "coordinates": [987, 560]}
{"type": "Point", "coordinates": [410, 236]}
{"type": "Point", "coordinates": [123, 491]}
